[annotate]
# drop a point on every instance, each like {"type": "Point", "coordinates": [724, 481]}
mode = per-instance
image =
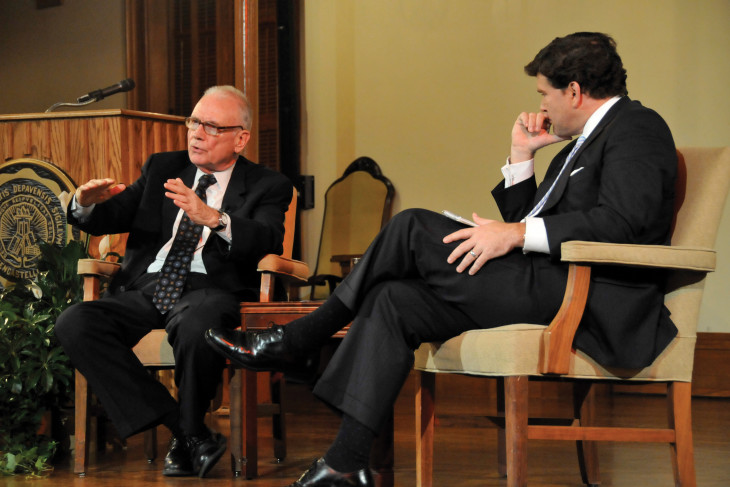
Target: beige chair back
{"type": "Point", "coordinates": [704, 173]}
{"type": "Point", "coordinates": [702, 185]}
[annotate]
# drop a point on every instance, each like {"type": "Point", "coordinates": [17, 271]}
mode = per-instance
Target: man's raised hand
{"type": "Point", "coordinates": [97, 191]}
{"type": "Point", "coordinates": [530, 133]}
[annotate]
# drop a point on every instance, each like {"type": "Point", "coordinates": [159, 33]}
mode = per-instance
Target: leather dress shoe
{"type": "Point", "coordinates": [205, 452]}
{"type": "Point", "coordinates": [261, 351]}
{"type": "Point", "coordinates": [322, 475]}
{"type": "Point", "coordinates": [177, 461]}
{"type": "Point", "coordinates": [193, 455]}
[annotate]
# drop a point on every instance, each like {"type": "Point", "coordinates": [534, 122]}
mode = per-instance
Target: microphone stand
{"type": "Point", "coordinates": [64, 104]}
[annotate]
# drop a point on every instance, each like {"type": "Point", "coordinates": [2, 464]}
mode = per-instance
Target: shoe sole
{"type": "Point", "coordinates": [212, 460]}
{"type": "Point", "coordinates": [178, 473]}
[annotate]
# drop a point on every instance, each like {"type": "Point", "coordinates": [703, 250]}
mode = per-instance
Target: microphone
{"type": "Point", "coordinates": [96, 95]}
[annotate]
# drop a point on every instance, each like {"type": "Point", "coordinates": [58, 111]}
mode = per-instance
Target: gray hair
{"type": "Point", "coordinates": [243, 104]}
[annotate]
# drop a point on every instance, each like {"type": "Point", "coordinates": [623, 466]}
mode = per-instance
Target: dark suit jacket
{"type": "Point", "coordinates": [619, 187]}
{"type": "Point", "coordinates": [256, 200]}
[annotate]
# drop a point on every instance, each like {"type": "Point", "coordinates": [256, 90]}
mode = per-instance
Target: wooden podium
{"type": "Point", "coordinates": [83, 145]}
{"type": "Point", "coordinates": [91, 144]}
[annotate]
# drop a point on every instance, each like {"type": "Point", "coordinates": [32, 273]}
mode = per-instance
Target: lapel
{"type": "Point", "coordinates": [237, 187]}
{"type": "Point", "coordinates": [562, 183]}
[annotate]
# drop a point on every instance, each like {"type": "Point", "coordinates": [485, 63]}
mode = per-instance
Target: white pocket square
{"type": "Point", "coordinates": [576, 171]}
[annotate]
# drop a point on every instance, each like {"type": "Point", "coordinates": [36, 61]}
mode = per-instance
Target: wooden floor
{"type": "Point", "coordinates": [465, 449]}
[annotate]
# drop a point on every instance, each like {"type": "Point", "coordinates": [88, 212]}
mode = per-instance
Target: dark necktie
{"type": "Point", "coordinates": [171, 281]}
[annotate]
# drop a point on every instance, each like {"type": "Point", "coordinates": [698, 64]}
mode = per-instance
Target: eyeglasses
{"type": "Point", "coordinates": [210, 129]}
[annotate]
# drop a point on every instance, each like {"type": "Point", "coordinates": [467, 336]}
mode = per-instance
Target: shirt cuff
{"type": "Point", "coordinates": [535, 236]}
{"type": "Point", "coordinates": [226, 234]}
{"type": "Point", "coordinates": [517, 172]}
{"type": "Point", "coordinates": [81, 213]}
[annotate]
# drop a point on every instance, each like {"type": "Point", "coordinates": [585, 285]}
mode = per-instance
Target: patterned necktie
{"type": "Point", "coordinates": [171, 280]}
{"type": "Point", "coordinates": [538, 207]}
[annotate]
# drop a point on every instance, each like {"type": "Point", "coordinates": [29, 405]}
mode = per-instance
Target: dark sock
{"type": "Point", "coordinates": [350, 451]}
{"type": "Point", "coordinates": [172, 421]}
{"type": "Point", "coordinates": [310, 332]}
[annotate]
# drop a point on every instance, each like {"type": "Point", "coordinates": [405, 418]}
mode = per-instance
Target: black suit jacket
{"type": "Point", "coordinates": [256, 199]}
{"type": "Point", "coordinates": [619, 187]}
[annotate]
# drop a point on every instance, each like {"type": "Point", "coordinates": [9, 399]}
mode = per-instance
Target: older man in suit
{"type": "Point", "coordinates": [198, 222]}
{"type": "Point", "coordinates": [428, 278]}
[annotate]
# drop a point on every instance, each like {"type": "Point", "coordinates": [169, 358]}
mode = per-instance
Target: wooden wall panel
{"type": "Point", "coordinates": [91, 144]}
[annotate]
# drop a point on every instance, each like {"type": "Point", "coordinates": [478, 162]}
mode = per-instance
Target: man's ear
{"type": "Point", "coordinates": [241, 140]}
{"type": "Point", "coordinates": [576, 93]}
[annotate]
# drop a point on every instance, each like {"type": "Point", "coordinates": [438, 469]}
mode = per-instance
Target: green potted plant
{"type": "Point", "coordinates": [35, 374]}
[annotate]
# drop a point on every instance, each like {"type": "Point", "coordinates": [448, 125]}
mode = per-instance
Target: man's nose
{"type": "Point", "coordinates": [199, 132]}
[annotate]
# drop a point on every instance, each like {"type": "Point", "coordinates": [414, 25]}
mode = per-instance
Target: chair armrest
{"type": "Point", "coordinates": [96, 267]}
{"type": "Point", "coordinates": [558, 337]}
{"type": "Point", "coordinates": [330, 280]}
{"type": "Point", "coordinates": [93, 272]}
{"type": "Point", "coordinates": [288, 268]}
{"type": "Point", "coordinates": [660, 256]}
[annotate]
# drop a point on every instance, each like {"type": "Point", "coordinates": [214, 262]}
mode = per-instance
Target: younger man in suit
{"type": "Point", "coordinates": [428, 278]}
{"type": "Point", "coordinates": [198, 222]}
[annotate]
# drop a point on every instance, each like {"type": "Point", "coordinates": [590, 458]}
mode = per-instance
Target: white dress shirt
{"type": "Point", "coordinates": [214, 198]}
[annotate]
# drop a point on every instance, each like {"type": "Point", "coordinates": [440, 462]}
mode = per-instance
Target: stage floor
{"type": "Point", "coordinates": [465, 451]}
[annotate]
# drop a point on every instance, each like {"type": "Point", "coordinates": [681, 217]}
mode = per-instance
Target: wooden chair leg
{"type": "Point", "coordinates": [249, 420]}
{"type": "Point", "coordinates": [150, 435]}
{"type": "Point", "coordinates": [235, 413]}
{"type": "Point", "coordinates": [425, 402]}
{"type": "Point", "coordinates": [150, 444]}
{"type": "Point", "coordinates": [584, 409]}
{"type": "Point", "coordinates": [516, 396]}
{"type": "Point", "coordinates": [501, 441]}
{"type": "Point", "coordinates": [278, 423]}
{"type": "Point", "coordinates": [82, 400]}
{"type": "Point", "coordinates": [679, 397]}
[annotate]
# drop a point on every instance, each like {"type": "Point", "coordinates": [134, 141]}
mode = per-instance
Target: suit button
{"type": "Point", "coordinates": [122, 288]}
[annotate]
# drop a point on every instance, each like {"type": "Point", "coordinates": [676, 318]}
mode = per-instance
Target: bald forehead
{"type": "Point", "coordinates": [221, 108]}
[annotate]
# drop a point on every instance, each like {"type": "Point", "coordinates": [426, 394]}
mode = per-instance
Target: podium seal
{"type": "Point", "coordinates": [33, 199]}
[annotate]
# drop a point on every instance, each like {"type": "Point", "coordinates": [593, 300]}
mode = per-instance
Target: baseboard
{"type": "Point", "coordinates": [710, 376]}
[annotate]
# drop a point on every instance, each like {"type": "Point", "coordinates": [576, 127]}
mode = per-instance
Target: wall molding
{"type": "Point", "coordinates": [711, 375]}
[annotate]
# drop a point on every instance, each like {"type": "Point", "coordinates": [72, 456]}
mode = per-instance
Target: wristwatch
{"type": "Point", "coordinates": [223, 221]}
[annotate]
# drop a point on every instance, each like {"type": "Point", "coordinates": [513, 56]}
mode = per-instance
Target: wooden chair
{"type": "Point", "coordinates": [518, 352]}
{"type": "Point", "coordinates": [356, 206]}
{"type": "Point", "coordinates": [155, 352]}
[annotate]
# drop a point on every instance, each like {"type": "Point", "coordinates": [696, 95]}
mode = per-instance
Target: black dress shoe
{"type": "Point", "coordinates": [322, 475]}
{"type": "Point", "coordinates": [205, 452]}
{"type": "Point", "coordinates": [177, 461]}
{"type": "Point", "coordinates": [261, 351]}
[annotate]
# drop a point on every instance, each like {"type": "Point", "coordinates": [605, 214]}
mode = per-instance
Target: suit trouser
{"type": "Point", "coordinates": [403, 293]}
{"type": "Point", "coordinates": [99, 335]}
